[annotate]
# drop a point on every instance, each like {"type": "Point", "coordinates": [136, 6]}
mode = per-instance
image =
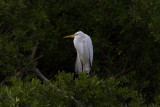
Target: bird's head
{"type": "Point", "coordinates": [74, 35]}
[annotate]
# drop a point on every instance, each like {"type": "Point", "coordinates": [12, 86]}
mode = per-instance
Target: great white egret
{"type": "Point", "coordinates": [84, 48]}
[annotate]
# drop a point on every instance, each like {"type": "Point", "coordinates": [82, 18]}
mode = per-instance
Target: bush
{"type": "Point", "coordinates": [87, 91]}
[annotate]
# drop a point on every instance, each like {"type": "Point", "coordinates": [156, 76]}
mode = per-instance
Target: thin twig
{"type": "Point", "coordinates": [38, 58]}
{"type": "Point", "coordinates": [125, 72]}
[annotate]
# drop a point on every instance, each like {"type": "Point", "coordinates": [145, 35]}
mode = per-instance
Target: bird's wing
{"type": "Point", "coordinates": [90, 49]}
{"type": "Point", "coordinates": [84, 49]}
{"type": "Point", "coordinates": [78, 43]}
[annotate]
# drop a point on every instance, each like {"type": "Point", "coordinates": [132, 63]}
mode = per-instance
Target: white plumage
{"type": "Point", "coordinates": [84, 48]}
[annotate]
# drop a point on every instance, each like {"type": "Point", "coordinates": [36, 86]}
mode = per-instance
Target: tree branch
{"type": "Point", "coordinates": [125, 72]}
{"type": "Point", "coordinates": [38, 58]}
{"type": "Point", "coordinates": [37, 71]}
{"type": "Point", "coordinates": [41, 76]}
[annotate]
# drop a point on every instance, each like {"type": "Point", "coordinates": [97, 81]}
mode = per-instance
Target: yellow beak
{"type": "Point", "coordinates": [70, 36]}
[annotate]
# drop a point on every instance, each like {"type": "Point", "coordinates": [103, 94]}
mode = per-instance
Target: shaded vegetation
{"type": "Point", "coordinates": [91, 92]}
{"type": "Point", "coordinates": [125, 36]}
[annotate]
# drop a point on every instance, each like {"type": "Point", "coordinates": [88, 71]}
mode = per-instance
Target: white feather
{"type": "Point", "coordinates": [84, 47]}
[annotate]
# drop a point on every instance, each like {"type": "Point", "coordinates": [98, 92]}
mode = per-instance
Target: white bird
{"type": "Point", "coordinates": [84, 48]}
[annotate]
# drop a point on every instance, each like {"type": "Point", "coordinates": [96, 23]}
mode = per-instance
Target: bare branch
{"type": "Point", "coordinates": [41, 76]}
{"type": "Point", "coordinates": [38, 58]}
{"type": "Point", "coordinates": [36, 70]}
{"type": "Point", "coordinates": [125, 72]}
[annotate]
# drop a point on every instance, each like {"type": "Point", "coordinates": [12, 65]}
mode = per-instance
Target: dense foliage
{"type": "Point", "coordinates": [126, 38]}
{"type": "Point", "coordinates": [91, 92]}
